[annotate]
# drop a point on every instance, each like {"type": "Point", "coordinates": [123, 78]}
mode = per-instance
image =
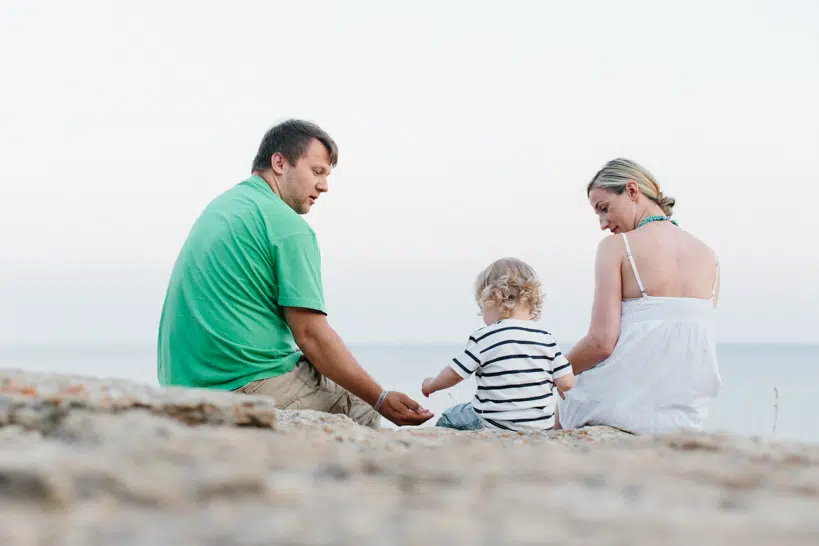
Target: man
{"type": "Point", "coordinates": [244, 309]}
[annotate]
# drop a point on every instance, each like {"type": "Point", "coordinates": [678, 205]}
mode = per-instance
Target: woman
{"type": "Point", "coordinates": [648, 363]}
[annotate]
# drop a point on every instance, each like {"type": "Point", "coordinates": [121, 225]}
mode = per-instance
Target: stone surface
{"type": "Point", "coordinates": [98, 462]}
{"type": "Point", "coordinates": [41, 400]}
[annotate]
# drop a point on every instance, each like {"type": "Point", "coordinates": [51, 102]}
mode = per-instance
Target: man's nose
{"type": "Point", "coordinates": [322, 186]}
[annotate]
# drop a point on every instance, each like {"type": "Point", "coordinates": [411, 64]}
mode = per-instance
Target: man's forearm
{"type": "Point", "coordinates": [326, 351]}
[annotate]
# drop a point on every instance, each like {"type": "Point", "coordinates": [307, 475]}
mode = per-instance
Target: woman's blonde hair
{"type": "Point", "coordinates": [615, 175]}
{"type": "Point", "coordinates": [507, 282]}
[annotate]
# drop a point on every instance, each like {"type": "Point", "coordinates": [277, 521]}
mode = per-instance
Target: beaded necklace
{"type": "Point", "coordinates": [656, 219]}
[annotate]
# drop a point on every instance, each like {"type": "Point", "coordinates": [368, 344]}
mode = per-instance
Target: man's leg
{"type": "Point", "coordinates": [357, 409]}
{"type": "Point", "coordinates": [346, 403]}
{"type": "Point", "coordinates": [305, 388]}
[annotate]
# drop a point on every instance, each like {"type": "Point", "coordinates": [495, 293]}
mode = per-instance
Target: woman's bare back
{"type": "Point", "coordinates": [671, 263]}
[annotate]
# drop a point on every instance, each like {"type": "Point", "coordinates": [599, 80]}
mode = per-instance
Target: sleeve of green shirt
{"type": "Point", "coordinates": [297, 265]}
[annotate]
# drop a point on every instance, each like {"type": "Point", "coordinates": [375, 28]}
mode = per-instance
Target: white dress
{"type": "Point", "coordinates": [662, 373]}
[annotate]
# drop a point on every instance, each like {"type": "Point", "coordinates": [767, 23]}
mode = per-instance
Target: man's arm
{"type": "Point", "coordinates": [325, 350]}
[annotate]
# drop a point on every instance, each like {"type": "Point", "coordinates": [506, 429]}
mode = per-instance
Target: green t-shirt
{"type": "Point", "coordinates": [247, 256]}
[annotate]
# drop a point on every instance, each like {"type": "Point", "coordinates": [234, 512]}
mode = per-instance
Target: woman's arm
{"type": "Point", "coordinates": [604, 329]}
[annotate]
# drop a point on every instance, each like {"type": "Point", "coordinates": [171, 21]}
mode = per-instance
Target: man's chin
{"type": "Point", "coordinates": [303, 209]}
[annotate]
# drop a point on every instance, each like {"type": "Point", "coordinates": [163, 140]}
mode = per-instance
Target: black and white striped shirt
{"type": "Point", "coordinates": [515, 364]}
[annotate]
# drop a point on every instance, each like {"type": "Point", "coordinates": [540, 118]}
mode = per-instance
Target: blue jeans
{"type": "Point", "coordinates": [460, 417]}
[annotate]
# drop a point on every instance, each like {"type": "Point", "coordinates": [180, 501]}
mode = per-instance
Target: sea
{"type": "Point", "coordinates": [769, 391]}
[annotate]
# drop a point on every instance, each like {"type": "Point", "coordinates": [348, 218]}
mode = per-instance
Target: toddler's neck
{"type": "Point", "coordinates": [521, 312]}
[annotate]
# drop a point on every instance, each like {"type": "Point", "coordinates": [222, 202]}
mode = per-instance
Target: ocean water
{"type": "Point", "coordinates": [748, 404]}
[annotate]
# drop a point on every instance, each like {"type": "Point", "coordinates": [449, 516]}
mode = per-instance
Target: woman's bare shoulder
{"type": "Point", "coordinates": [701, 246]}
{"type": "Point", "coordinates": [610, 246]}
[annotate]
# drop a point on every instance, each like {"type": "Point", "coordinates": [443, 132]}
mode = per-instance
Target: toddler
{"type": "Point", "coordinates": [516, 363]}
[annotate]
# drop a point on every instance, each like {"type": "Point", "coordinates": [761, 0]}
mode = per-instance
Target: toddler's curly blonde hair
{"type": "Point", "coordinates": [507, 282]}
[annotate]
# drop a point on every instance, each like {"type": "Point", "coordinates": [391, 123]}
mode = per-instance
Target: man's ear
{"type": "Point", "coordinates": [277, 162]}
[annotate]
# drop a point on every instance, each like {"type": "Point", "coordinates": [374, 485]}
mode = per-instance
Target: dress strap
{"type": "Point", "coordinates": [716, 280]}
{"type": "Point", "coordinates": [634, 266]}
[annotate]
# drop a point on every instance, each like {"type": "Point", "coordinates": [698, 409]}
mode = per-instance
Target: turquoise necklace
{"type": "Point", "coordinates": [656, 219]}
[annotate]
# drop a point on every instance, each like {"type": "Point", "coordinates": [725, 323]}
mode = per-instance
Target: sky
{"type": "Point", "coordinates": [467, 132]}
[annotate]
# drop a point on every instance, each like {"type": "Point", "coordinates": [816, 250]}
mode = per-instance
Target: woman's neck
{"type": "Point", "coordinates": [651, 209]}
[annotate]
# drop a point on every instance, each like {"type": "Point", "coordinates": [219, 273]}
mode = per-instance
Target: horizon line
{"type": "Point", "coordinates": [389, 343]}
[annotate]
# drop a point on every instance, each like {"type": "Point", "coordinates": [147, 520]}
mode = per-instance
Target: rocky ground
{"type": "Point", "coordinates": [104, 462]}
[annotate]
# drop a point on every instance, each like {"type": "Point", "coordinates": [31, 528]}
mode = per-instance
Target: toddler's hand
{"type": "Point", "coordinates": [426, 389]}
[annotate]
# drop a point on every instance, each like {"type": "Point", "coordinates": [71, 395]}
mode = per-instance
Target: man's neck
{"type": "Point", "coordinates": [270, 179]}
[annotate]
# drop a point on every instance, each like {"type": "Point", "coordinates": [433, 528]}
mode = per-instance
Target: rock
{"type": "Point", "coordinates": [96, 462]}
{"type": "Point", "coordinates": [40, 401]}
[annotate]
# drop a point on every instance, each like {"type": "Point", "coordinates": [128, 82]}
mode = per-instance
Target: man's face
{"type": "Point", "coordinates": [304, 182]}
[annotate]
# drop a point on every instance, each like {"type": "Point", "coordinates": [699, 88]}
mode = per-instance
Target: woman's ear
{"type": "Point", "coordinates": [632, 189]}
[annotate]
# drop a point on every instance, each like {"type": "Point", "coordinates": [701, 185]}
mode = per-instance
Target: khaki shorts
{"type": "Point", "coordinates": [305, 388]}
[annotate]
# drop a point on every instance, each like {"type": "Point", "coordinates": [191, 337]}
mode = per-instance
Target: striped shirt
{"type": "Point", "coordinates": [515, 364]}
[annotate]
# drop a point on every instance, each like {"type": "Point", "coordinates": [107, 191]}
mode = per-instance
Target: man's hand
{"type": "Point", "coordinates": [426, 387]}
{"type": "Point", "coordinates": [403, 410]}
{"type": "Point", "coordinates": [327, 352]}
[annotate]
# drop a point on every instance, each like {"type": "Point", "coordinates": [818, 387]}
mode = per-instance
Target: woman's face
{"type": "Point", "coordinates": [615, 212]}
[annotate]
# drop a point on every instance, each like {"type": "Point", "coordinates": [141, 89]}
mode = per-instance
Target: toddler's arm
{"type": "Point", "coordinates": [444, 380]}
{"type": "Point", "coordinates": [562, 373]}
{"type": "Point", "coordinates": [564, 382]}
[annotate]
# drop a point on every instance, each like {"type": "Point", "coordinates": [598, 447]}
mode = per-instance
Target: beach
{"type": "Point", "coordinates": [107, 461]}
{"type": "Point", "coordinates": [745, 406]}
